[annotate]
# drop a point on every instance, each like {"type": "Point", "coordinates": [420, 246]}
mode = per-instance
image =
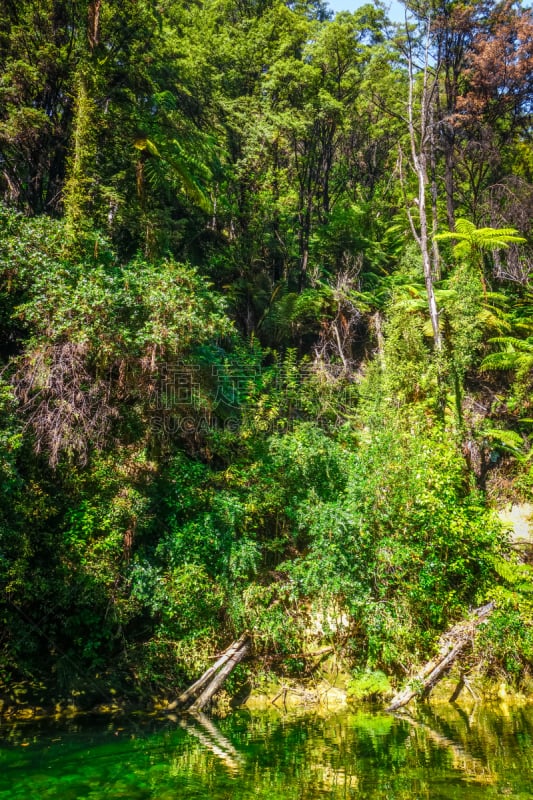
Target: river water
{"type": "Point", "coordinates": [441, 752]}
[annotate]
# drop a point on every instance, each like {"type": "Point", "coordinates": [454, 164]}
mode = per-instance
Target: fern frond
{"type": "Point", "coordinates": [514, 344]}
{"type": "Point", "coordinates": [464, 227]}
{"type": "Point", "coordinates": [519, 576]}
{"type": "Point", "coordinates": [507, 440]}
{"type": "Point", "coordinates": [445, 236]}
{"type": "Point", "coordinates": [179, 174]}
{"type": "Point", "coordinates": [493, 319]}
{"type": "Point", "coordinates": [468, 238]}
{"type": "Point", "coordinates": [503, 361]}
{"type": "Point", "coordinates": [146, 145]}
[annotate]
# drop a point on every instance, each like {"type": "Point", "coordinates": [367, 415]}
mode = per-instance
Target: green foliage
{"type": "Point", "coordinates": [220, 401]}
{"type": "Point", "coordinates": [10, 439]}
{"type": "Point", "coordinates": [272, 617]}
{"type": "Point", "coordinates": [368, 686]}
{"type": "Point", "coordinates": [409, 374]}
{"type": "Point", "coordinates": [308, 459]}
{"type": "Point", "coordinates": [184, 600]}
{"type": "Point", "coordinates": [102, 339]}
{"type": "Point", "coordinates": [505, 643]}
{"type": "Point", "coordinates": [516, 356]}
{"type": "Point", "coordinates": [406, 545]}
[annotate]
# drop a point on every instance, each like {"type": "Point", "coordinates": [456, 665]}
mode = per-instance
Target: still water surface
{"type": "Point", "coordinates": [444, 754]}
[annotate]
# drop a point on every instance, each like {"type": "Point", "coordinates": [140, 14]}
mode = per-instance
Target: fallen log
{"type": "Point", "coordinates": [451, 645]}
{"type": "Point", "coordinates": [461, 684]}
{"type": "Point", "coordinates": [213, 686]}
{"type": "Point", "coordinates": [189, 694]}
{"type": "Point", "coordinates": [201, 691]}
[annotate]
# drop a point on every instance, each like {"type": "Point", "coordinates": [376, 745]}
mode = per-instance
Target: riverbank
{"type": "Point", "coordinates": [285, 695]}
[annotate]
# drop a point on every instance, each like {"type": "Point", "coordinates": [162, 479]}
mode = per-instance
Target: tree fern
{"type": "Point", "coordinates": [470, 239]}
{"type": "Point", "coordinates": [472, 242]}
{"type": "Point", "coordinates": [507, 440]}
{"type": "Point", "coordinates": [177, 169]}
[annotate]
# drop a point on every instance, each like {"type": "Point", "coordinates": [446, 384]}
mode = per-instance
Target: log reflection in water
{"type": "Point", "coordinates": [474, 768]}
{"type": "Point", "coordinates": [205, 730]}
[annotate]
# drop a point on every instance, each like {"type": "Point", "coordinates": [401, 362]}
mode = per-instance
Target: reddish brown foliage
{"type": "Point", "coordinates": [499, 68]}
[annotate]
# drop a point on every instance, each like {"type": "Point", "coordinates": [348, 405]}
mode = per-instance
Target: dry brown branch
{"type": "Point", "coordinates": [68, 408]}
{"type": "Point", "coordinates": [337, 336]}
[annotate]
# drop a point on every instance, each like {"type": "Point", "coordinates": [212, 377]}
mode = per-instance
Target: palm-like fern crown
{"type": "Point", "coordinates": [470, 239]}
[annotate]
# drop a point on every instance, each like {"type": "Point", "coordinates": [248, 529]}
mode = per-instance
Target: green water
{"type": "Point", "coordinates": [442, 753]}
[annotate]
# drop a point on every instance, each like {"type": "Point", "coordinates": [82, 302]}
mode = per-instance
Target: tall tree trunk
{"type": "Point", "coordinates": [304, 234]}
{"type": "Point", "coordinates": [449, 181]}
{"type": "Point", "coordinates": [419, 144]}
{"type": "Point", "coordinates": [434, 195]}
{"type": "Point", "coordinates": [81, 183]}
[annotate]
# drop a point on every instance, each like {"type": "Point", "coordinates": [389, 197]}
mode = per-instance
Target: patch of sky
{"type": "Point", "coordinates": [394, 8]}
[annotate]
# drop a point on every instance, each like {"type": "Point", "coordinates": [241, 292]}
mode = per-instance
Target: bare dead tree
{"type": "Point", "coordinates": [510, 204]}
{"type": "Point", "coordinates": [420, 133]}
{"type": "Point", "coordinates": [68, 409]}
{"type": "Point", "coordinates": [337, 335]}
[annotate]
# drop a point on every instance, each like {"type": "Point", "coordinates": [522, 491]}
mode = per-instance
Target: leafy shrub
{"type": "Point", "coordinates": [101, 339]}
{"type": "Point", "coordinates": [405, 547]}
{"type": "Point", "coordinates": [504, 644]}
{"type": "Point", "coordinates": [368, 686]}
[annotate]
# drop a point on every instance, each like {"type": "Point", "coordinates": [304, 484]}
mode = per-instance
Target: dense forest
{"type": "Point", "coordinates": [266, 340]}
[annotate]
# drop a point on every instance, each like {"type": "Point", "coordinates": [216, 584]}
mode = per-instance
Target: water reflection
{"type": "Point", "coordinates": [472, 767]}
{"type": "Point", "coordinates": [442, 753]}
{"type": "Point", "coordinates": [205, 730]}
